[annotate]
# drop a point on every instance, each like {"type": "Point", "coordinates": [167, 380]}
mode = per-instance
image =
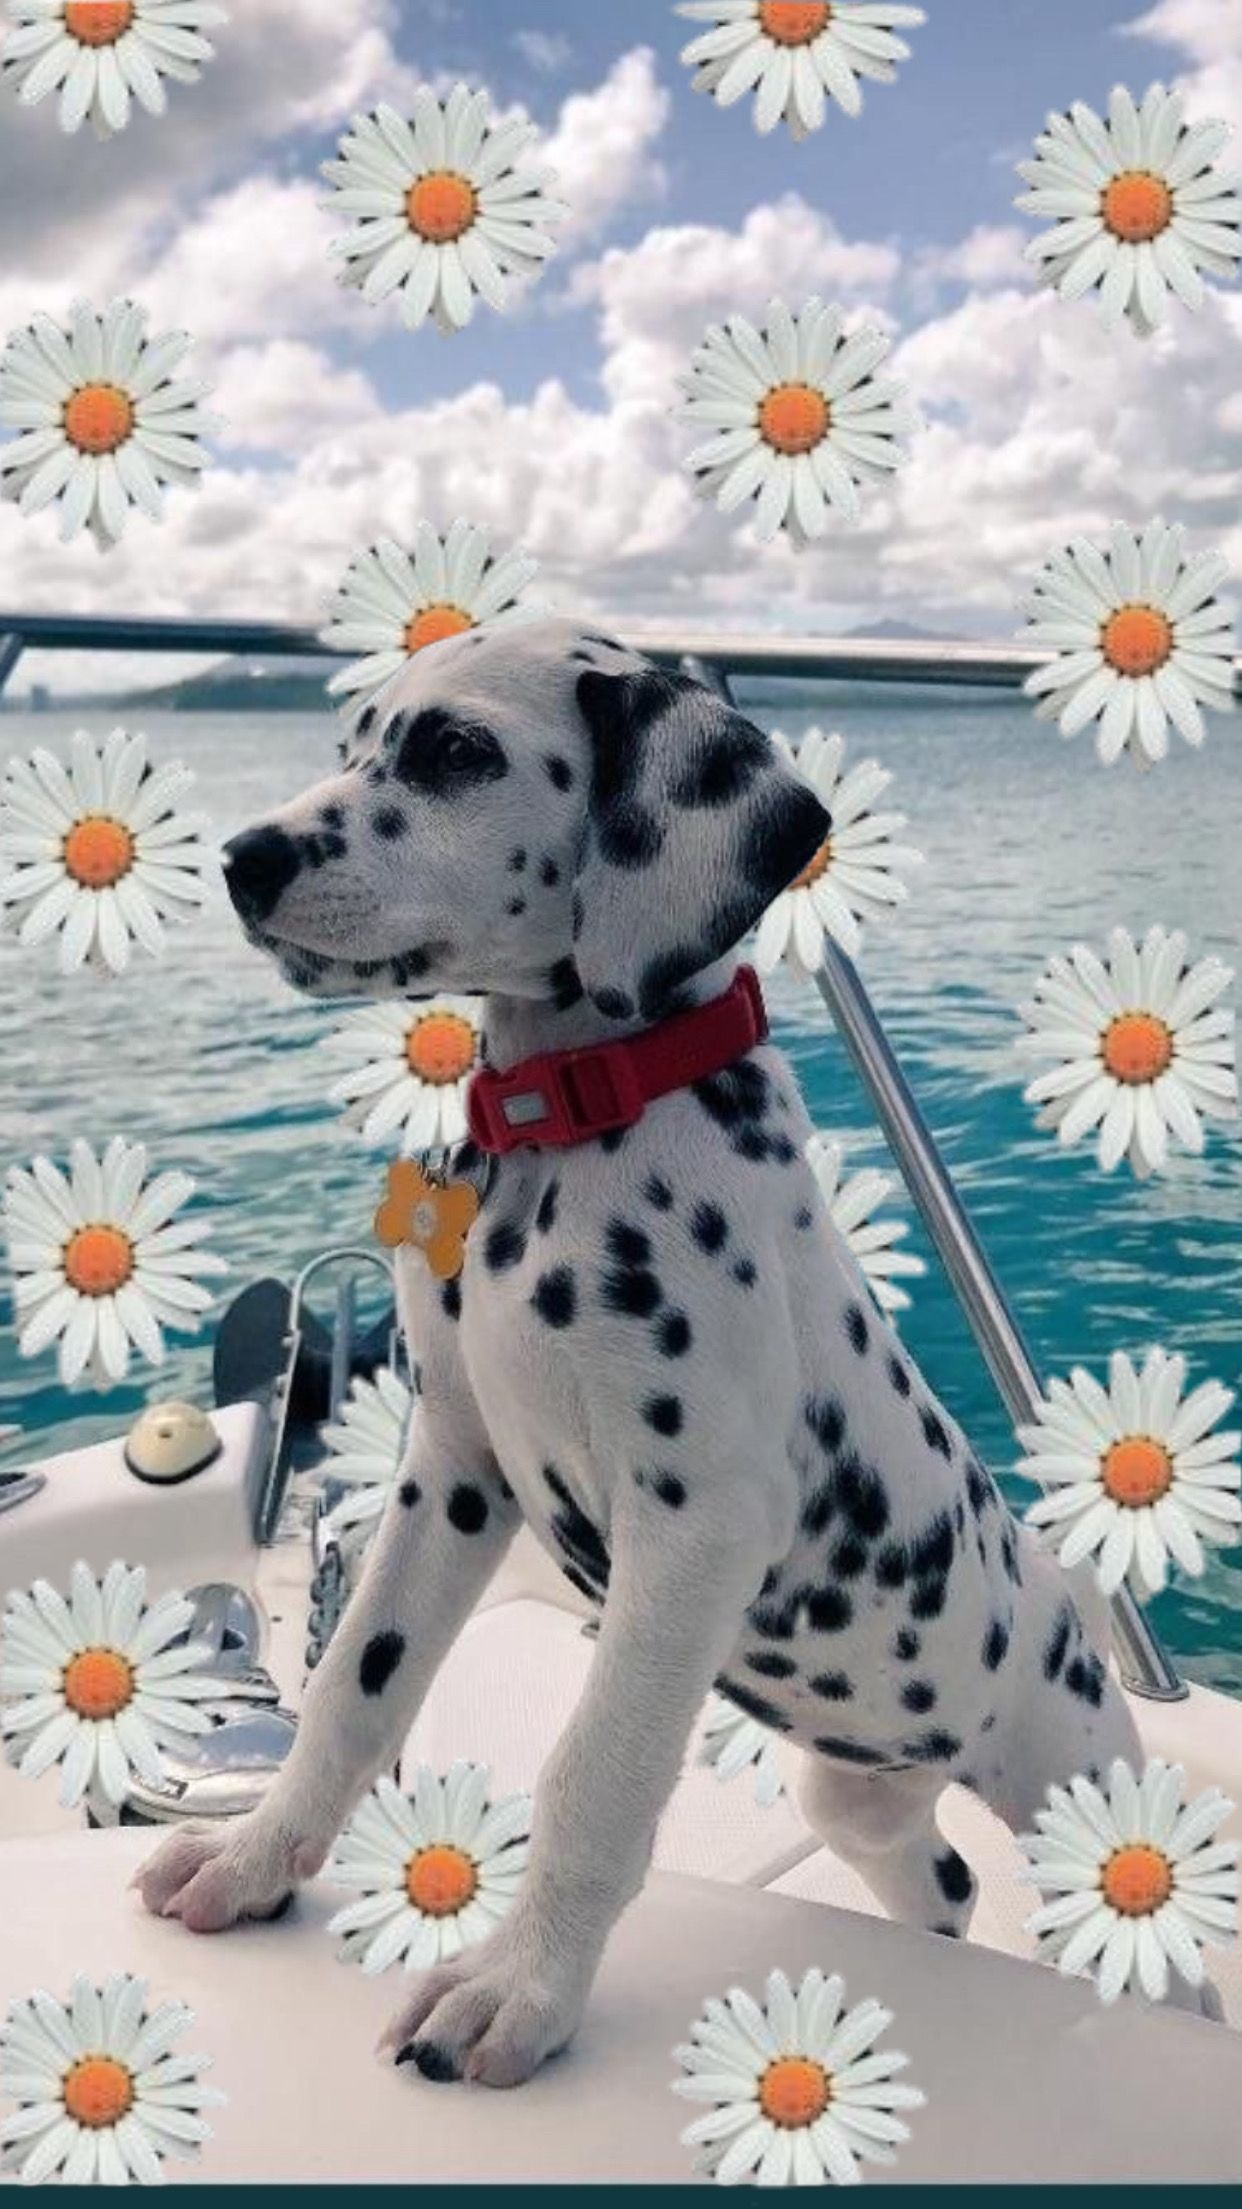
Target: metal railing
{"type": "Point", "coordinates": [1146, 1668]}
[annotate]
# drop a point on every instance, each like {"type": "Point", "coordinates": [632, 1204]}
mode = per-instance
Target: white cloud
{"type": "Point", "coordinates": [1206, 37]}
{"type": "Point", "coordinates": [602, 146]}
{"type": "Point", "coordinates": [992, 254]}
{"type": "Point", "coordinates": [547, 51]}
{"type": "Point", "coordinates": [286, 396]}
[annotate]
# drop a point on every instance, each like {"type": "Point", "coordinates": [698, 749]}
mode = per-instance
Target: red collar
{"type": "Point", "coordinates": [560, 1098]}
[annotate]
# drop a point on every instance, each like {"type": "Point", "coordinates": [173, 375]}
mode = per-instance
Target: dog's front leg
{"type": "Point", "coordinates": [675, 1600]}
{"type": "Point", "coordinates": [443, 1534]}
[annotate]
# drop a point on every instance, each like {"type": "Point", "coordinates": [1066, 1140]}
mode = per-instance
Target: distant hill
{"type": "Point", "coordinates": [236, 686]}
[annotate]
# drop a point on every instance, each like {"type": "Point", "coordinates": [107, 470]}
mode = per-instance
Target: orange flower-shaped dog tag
{"type": "Point", "coordinates": [435, 1219]}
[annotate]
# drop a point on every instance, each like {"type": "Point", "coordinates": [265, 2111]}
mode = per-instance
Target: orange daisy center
{"type": "Point", "coordinates": [98, 2092]}
{"type": "Point", "coordinates": [1136, 1471]}
{"type": "Point", "coordinates": [1137, 207]}
{"type": "Point", "coordinates": [97, 1683]}
{"type": "Point", "coordinates": [1137, 640]}
{"type": "Point", "coordinates": [433, 624]}
{"type": "Point", "coordinates": [98, 1260]}
{"type": "Point", "coordinates": [794, 418]}
{"type": "Point", "coordinates": [98, 851]}
{"type": "Point", "coordinates": [440, 207]}
{"type": "Point", "coordinates": [98, 418]}
{"type": "Point", "coordinates": [440, 1048]}
{"type": "Point", "coordinates": [1137, 1049]}
{"type": "Point", "coordinates": [817, 869]}
{"type": "Point", "coordinates": [1137, 1880]}
{"type": "Point", "coordinates": [794, 2092]}
{"type": "Point", "coordinates": [794, 22]}
{"type": "Point", "coordinates": [441, 1880]}
{"type": "Point", "coordinates": [98, 22]}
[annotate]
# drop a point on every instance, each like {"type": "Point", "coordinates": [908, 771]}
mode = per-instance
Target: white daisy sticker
{"type": "Point", "coordinates": [1143, 1050]}
{"type": "Point", "coordinates": [392, 604]}
{"type": "Point", "coordinates": [95, 852]}
{"type": "Point", "coordinates": [796, 55]}
{"type": "Point", "coordinates": [1139, 205]}
{"type": "Point", "coordinates": [799, 2092]}
{"type": "Point", "coordinates": [365, 1447]}
{"type": "Point", "coordinates": [100, 56]}
{"type": "Point", "coordinates": [447, 208]}
{"type": "Point", "coordinates": [435, 1871]}
{"type": "Point", "coordinates": [858, 874]}
{"type": "Point", "coordinates": [99, 1683]}
{"type": "Point", "coordinates": [800, 420]}
{"type": "Point", "coordinates": [101, 2098]}
{"type": "Point", "coordinates": [105, 421]}
{"type": "Point", "coordinates": [1137, 1472]}
{"type": "Point", "coordinates": [853, 1204]}
{"type": "Point", "coordinates": [733, 1743]}
{"type": "Point", "coordinates": [101, 1262]}
{"type": "Point", "coordinates": [1139, 639]}
{"type": "Point", "coordinates": [409, 1067]}
{"type": "Point", "coordinates": [1136, 1878]}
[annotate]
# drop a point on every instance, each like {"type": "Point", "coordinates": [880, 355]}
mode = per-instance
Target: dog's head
{"type": "Point", "coordinates": [532, 812]}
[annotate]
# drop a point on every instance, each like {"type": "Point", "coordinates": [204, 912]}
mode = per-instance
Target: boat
{"type": "Point", "coordinates": [1028, 2077]}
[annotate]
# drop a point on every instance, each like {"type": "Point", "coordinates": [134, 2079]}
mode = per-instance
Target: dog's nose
{"type": "Point", "coordinates": [260, 864]}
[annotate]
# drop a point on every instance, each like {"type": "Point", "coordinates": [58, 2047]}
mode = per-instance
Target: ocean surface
{"type": "Point", "coordinates": [1030, 845]}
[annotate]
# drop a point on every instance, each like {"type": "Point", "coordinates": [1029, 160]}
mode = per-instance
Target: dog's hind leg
{"type": "Point", "coordinates": [883, 1825]}
{"type": "Point", "coordinates": [445, 1530]}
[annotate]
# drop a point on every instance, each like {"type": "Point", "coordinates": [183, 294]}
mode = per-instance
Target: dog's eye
{"type": "Point", "coordinates": [456, 752]}
{"type": "Point", "coordinates": [442, 755]}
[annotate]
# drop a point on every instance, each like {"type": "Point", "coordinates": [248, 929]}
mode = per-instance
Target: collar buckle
{"type": "Point", "coordinates": [556, 1098]}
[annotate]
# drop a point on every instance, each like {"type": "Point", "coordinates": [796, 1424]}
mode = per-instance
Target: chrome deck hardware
{"type": "Point", "coordinates": [276, 1479]}
{"type": "Point", "coordinates": [1146, 1668]}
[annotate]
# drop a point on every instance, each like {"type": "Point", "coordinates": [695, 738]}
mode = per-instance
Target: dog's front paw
{"type": "Point", "coordinates": [493, 2015]}
{"type": "Point", "coordinates": [210, 1877]}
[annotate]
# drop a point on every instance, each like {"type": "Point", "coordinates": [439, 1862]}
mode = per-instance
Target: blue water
{"type": "Point", "coordinates": [1029, 845]}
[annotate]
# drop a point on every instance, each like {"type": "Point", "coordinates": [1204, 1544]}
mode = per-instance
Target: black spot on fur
{"type": "Point", "coordinates": [559, 772]}
{"type": "Point", "coordinates": [565, 984]}
{"type": "Point", "coordinates": [826, 1421]}
{"type": "Point", "coordinates": [892, 1566]}
{"type": "Point", "coordinates": [770, 1665]}
{"type": "Point", "coordinates": [545, 1216]}
{"type": "Point", "coordinates": [1058, 1641]}
{"type": "Point", "coordinates": [734, 1097]}
{"type": "Point", "coordinates": [935, 1433]}
{"type": "Point", "coordinates": [505, 1247]}
{"type": "Point", "coordinates": [389, 823]}
{"type": "Point", "coordinates": [835, 1687]}
{"type": "Point", "coordinates": [856, 1328]}
{"type": "Point", "coordinates": [829, 1610]}
{"type": "Point", "coordinates": [672, 1334]}
{"type": "Point", "coordinates": [556, 1297]}
{"type": "Point", "coordinates": [919, 1696]}
{"type": "Point", "coordinates": [669, 1489]}
{"type": "Point", "coordinates": [804, 1217]}
{"type": "Point", "coordinates": [665, 1414]}
{"type": "Point", "coordinates": [576, 1532]}
{"type": "Point", "coordinates": [1084, 1677]}
{"type": "Point", "coordinates": [517, 861]}
{"type": "Point", "coordinates": [709, 1227]}
{"type": "Point", "coordinates": [410, 1492]}
{"type": "Point", "coordinates": [899, 1374]}
{"type": "Point", "coordinates": [723, 768]}
{"type": "Point", "coordinates": [848, 1752]}
{"type": "Point", "coordinates": [932, 1552]}
{"type": "Point", "coordinates": [819, 1510]}
{"type": "Point", "coordinates": [380, 1658]}
{"type": "Point", "coordinates": [932, 1748]}
{"type": "Point", "coordinates": [450, 1299]}
{"type": "Point", "coordinates": [906, 1645]}
{"type": "Point", "coordinates": [746, 1273]}
{"type": "Point", "coordinates": [862, 1497]}
{"type": "Point", "coordinates": [928, 1599]}
{"type": "Point", "coordinates": [995, 1645]}
{"type": "Point", "coordinates": [774, 1622]}
{"type": "Point", "coordinates": [467, 1509]}
{"type": "Point", "coordinates": [516, 907]}
{"type": "Point", "coordinates": [849, 1558]}
{"type": "Point", "coordinates": [549, 873]}
{"type": "Point", "coordinates": [979, 1488]}
{"type": "Point", "coordinates": [953, 1877]}
{"type": "Point", "coordinates": [657, 1192]}
{"type": "Point", "coordinates": [755, 1706]}
{"type": "Point", "coordinates": [615, 1004]}
{"type": "Point", "coordinates": [1010, 1557]}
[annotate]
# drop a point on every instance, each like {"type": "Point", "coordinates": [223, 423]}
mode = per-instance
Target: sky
{"type": "Point", "coordinates": [556, 424]}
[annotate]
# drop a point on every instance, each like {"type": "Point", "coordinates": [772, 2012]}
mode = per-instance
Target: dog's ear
{"type": "Point", "coordinates": [695, 823]}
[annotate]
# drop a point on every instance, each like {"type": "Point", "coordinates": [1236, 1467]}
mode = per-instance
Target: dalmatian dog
{"type": "Point", "coordinates": [660, 1355]}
